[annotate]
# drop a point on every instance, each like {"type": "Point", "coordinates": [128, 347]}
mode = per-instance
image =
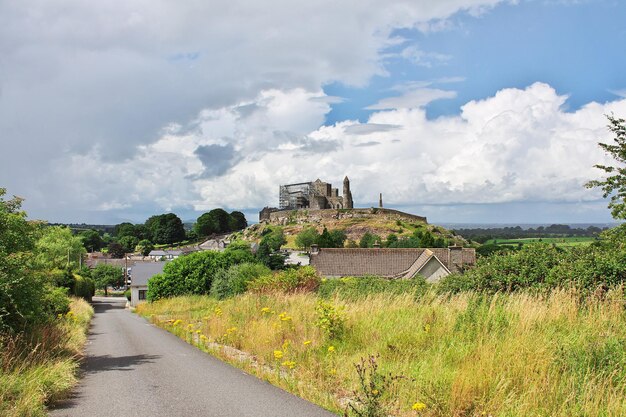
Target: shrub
{"type": "Point", "coordinates": [84, 287]}
{"type": "Point", "coordinates": [56, 301]}
{"type": "Point", "coordinates": [234, 280]}
{"type": "Point", "coordinates": [292, 280]}
{"type": "Point", "coordinates": [330, 319]}
{"type": "Point", "coordinates": [455, 283]}
{"type": "Point", "coordinates": [360, 287]}
{"type": "Point", "coordinates": [194, 273]}
{"type": "Point", "coordinates": [127, 294]}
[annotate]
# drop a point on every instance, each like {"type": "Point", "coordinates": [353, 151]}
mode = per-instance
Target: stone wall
{"type": "Point", "coordinates": [284, 217]}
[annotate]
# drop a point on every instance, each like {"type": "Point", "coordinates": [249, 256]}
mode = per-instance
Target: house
{"type": "Point", "coordinates": [214, 244]}
{"type": "Point", "coordinates": [141, 273]}
{"type": "Point", "coordinates": [167, 255]}
{"type": "Point", "coordinates": [431, 263]}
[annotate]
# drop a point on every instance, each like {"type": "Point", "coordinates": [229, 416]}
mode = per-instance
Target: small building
{"type": "Point", "coordinates": [431, 263]}
{"type": "Point", "coordinates": [141, 273]}
{"type": "Point", "coordinates": [214, 245]}
{"type": "Point", "coordinates": [167, 255]}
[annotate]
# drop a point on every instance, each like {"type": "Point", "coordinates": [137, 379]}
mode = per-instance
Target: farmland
{"type": "Point", "coordinates": [558, 241]}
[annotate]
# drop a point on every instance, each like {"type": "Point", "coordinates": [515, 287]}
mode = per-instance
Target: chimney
{"type": "Point", "coordinates": [376, 245]}
{"type": "Point", "coordinates": [380, 200]}
{"type": "Point", "coordinates": [456, 257]}
{"type": "Point", "coordinates": [315, 249]}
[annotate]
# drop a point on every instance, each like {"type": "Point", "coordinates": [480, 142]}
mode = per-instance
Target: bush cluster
{"type": "Point", "coordinates": [289, 281]}
{"type": "Point", "coordinates": [194, 273]}
{"type": "Point", "coordinates": [234, 280]}
{"type": "Point", "coordinates": [354, 288]}
{"type": "Point", "coordinates": [544, 267]}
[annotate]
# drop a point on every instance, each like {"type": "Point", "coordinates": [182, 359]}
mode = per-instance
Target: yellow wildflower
{"type": "Point", "coordinates": [286, 344]}
{"type": "Point", "coordinates": [375, 391]}
{"type": "Point", "coordinates": [289, 364]}
{"type": "Point", "coordinates": [418, 406]}
{"type": "Point", "coordinates": [331, 349]}
{"type": "Point", "coordinates": [177, 322]}
{"type": "Point", "coordinates": [306, 342]}
{"type": "Point", "coordinates": [218, 311]}
{"type": "Point", "coordinates": [198, 332]}
{"type": "Point", "coordinates": [333, 371]}
{"type": "Point", "coordinates": [278, 354]}
{"type": "Point", "coordinates": [265, 310]}
{"type": "Point", "coordinates": [427, 327]}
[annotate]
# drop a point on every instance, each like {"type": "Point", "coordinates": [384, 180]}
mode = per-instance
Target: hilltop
{"type": "Point", "coordinates": [354, 222]}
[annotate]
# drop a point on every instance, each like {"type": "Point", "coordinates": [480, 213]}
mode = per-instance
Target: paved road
{"type": "Point", "coordinates": [133, 368]}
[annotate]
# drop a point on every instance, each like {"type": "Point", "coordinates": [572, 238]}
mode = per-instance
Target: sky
{"type": "Point", "coordinates": [464, 111]}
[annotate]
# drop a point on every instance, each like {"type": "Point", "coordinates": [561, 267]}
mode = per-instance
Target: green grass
{"type": "Point", "coordinates": [558, 241]}
{"type": "Point", "coordinates": [460, 355]}
{"type": "Point", "coordinates": [40, 368]}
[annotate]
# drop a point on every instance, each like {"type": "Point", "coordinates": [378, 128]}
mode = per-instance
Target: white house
{"type": "Point", "coordinates": [141, 273]}
{"type": "Point", "coordinates": [167, 255]}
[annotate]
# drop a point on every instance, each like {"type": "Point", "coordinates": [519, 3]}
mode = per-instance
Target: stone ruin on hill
{"type": "Point", "coordinates": [316, 195]}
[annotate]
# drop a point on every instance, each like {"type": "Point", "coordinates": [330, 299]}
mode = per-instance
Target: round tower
{"type": "Point", "coordinates": [347, 194]}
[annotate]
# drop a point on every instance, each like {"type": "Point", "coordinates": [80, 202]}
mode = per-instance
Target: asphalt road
{"type": "Point", "coordinates": [133, 368]}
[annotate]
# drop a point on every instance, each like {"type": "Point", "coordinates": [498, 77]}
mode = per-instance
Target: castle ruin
{"type": "Point", "coordinates": [316, 195]}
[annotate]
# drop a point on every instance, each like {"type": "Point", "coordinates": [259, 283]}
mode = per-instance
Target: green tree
{"type": "Point", "coordinates": [23, 289]}
{"type": "Point", "coordinates": [116, 250]}
{"type": "Point", "coordinates": [237, 221]}
{"type": "Point", "coordinates": [368, 240]}
{"type": "Point", "coordinates": [274, 238]}
{"type": "Point", "coordinates": [106, 275]}
{"type": "Point", "coordinates": [124, 229]}
{"type": "Point", "coordinates": [91, 240]}
{"type": "Point", "coordinates": [614, 184]}
{"type": "Point", "coordinates": [333, 239]}
{"type": "Point", "coordinates": [194, 273]}
{"type": "Point", "coordinates": [165, 229]}
{"type": "Point", "coordinates": [144, 247]}
{"type": "Point", "coordinates": [307, 237]}
{"type": "Point", "coordinates": [128, 243]}
{"type": "Point", "coordinates": [58, 248]}
{"type": "Point", "coordinates": [215, 221]}
{"type": "Point", "coordinates": [391, 241]}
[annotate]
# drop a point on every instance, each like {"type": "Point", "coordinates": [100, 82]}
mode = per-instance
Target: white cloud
{"type": "Point", "coordinates": [519, 145]}
{"type": "Point", "coordinates": [109, 105]}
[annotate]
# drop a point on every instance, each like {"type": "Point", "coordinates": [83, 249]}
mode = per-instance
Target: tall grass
{"type": "Point", "coordinates": [461, 355]}
{"type": "Point", "coordinates": [40, 368]}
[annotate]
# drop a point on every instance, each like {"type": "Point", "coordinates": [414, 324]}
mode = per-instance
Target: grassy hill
{"type": "Point", "coordinates": [379, 222]}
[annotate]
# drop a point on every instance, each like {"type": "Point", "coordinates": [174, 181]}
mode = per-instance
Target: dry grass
{"type": "Point", "coordinates": [40, 368]}
{"type": "Point", "coordinates": [464, 355]}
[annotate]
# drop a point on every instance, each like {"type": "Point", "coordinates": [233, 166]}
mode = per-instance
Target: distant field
{"type": "Point", "coordinates": [559, 241]}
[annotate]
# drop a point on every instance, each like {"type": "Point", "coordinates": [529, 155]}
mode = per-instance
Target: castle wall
{"type": "Point", "coordinates": [284, 217]}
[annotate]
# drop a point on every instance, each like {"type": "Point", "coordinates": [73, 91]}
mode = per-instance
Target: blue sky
{"type": "Point", "coordinates": [460, 110]}
{"type": "Point", "coordinates": [579, 48]}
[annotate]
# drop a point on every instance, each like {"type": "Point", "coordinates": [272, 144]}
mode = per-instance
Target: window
{"type": "Point", "coordinates": [142, 294]}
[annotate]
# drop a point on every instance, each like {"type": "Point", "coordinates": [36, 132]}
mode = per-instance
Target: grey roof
{"type": "Point", "coordinates": [165, 252]}
{"type": "Point", "coordinates": [142, 272]}
{"type": "Point", "coordinates": [385, 262]}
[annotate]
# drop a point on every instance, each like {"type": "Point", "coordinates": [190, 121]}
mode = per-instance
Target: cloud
{"type": "Point", "coordinates": [216, 159]}
{"type": "Point", "coordinates": [516, 146]}
{"type": "Point", "coordinates": [368, 128]}
{"type": "Point", "coordinates": [422, 58]}
{"type": "Point", "coordinates": [121, 104]}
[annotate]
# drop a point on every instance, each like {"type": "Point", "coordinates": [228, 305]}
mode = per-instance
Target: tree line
{"type": "Point", "coordinates": [482, 235]}
{"type": "Point", "coordinates": [337, 239]}
{"type": "Point", "coordinates": [162, 229]}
